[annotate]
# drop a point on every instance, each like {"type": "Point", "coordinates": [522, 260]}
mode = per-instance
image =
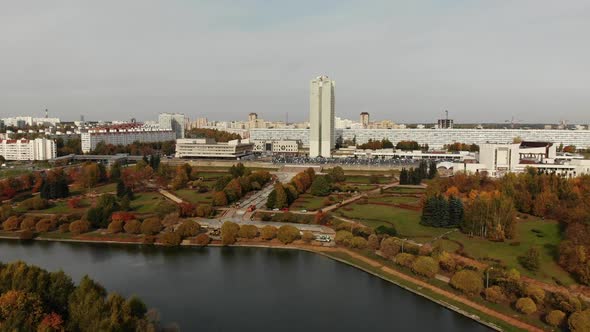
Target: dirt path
{"type": "Point", "coordinates": [510, 320]}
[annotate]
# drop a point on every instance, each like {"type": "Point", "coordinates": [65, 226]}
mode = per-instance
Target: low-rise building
{"type": "Point", "coordinates": [208, 148]}
{"type": "Point", "coordinates": [291, 147]}
{"type": "Point", "coordinates": [23, 149]}
{"type": "Point", "coordinates": [124, 134]}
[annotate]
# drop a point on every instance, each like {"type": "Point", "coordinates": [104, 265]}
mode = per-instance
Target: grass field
{"type": "Point", "coordinates": [146, 202]}
{"type": "Point", "coordinates": [407, 222]}
{"type": "Point", "coordinates": [308, 202]}
{"type": "Point", "coordinates": [543, 234]}
{"type": "Point", "coordinates": [403, 190]}
{"type": "Point", "coordinates": [62, 207]}
{"type": "Point", "coordinates": [10, 172]}
{"type": "Point", "coordinates": [351, 179]}
{"type": "Point", "coordinates": [194, 197]}
{"type": "Point", "coordinates": [396, 200]}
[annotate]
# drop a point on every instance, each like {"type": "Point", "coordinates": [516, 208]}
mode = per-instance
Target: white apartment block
{"type": "Point", "coordinates": [208, 148]}
{"type": "Point", "coordinates": [37, 149]}
{"type": "Point", "coordinates": [30, 121]}
{"type": "Point", "coordinates": [277, 147]}
{"type": "Point", "coordinates": [173, 121]}
{"type": "Point", "coordinates": [322, 139]}
{"type": "Point", "coordinates": [124, 135]}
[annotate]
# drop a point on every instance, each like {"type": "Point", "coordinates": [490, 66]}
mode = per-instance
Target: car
{"type": "Point", "coordinates": [275, 209]}
{"type": "Point", "coordinates": [285, 209]}
{"type": "Point", "coordinates": [303, 210]}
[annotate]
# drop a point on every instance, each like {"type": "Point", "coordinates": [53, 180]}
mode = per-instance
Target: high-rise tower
{"type": "Point", "coordinates": [321, 117]}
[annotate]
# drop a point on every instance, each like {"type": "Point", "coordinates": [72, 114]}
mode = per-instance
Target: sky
{"type": "Point", "coordinates": [406, 61]}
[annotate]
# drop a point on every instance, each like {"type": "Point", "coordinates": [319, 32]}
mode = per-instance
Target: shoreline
{"type": "Point", "coordinates": [310, 249]}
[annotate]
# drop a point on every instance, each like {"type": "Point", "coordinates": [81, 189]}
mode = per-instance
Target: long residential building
{"type": "Point", "coordinates": [23, 149]}
{"type": "Point", "coordinates": [208, 148]}
{"type": "Point", "coordinates": [436, 138]}
{"type": "Point", "coordinates": [124, 134]}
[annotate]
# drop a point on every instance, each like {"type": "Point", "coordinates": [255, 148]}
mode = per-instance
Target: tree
{"type": "Point", "coordinates": [116, 226]}
{"type": "Point", "coordinates": [404, 259]}
{"type": "Point", "coordinates": [320, 186]}
{"type": "Point", "coordinates": [87, 306]}
{"type": "Point", "coordinates": [530, 260]}
{"type": "Point", "coordinates": [171, 238]}
{"type": "Point", "coordinates": [307, 236]}
{"type": "Point", "coordinates": [495, 294]}
{"type": "Point", "coordinates": [202, 239]}
{"type": "Point", "coordinates": [526, 305]}
{"type": "Point", "coordinates": [99, 215]}
{"type": "Point", "coordinates": [151, 226]}
{"type": "Point", "coordinates": [287, 234]}
{"type": "Point", "coordinates": [219, 199]}
{"type": "Point", "coordinates": [188, 228]}
{"type": "Point", "coordinates": [20, 311]}
{"type": "Point", "coordinates": [373, 242]}
{"type": "Point", "coordinates": [337, 174]}
{"type": "Point", "coordinates": [271, 200]}
{"type": "Point", "coordinates": [425, 266]}
{"type": "Point", "coordinates": [358, 242]}
{"type": "Point", "coordinates": [467, 281]}
{"type": "Point", "coordinates": [229, 232]}
{"type": "Point", "coordinates": [281, 199]}
{"type": "Point", "coordinates": [268, 232]}
{"type": "Point", "coordinates": [555, 318]}
{"type": "Point", "coordinates": [132, 227]}
{"type": "Point", "coordinates": [343, 237]}
{"type": "Point", "coordinates": [248, 231]}
{"type": "Point", "coordinates": [79, 227]}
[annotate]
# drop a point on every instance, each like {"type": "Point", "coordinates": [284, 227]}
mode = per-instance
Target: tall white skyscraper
{"type": "Point", "coordinates": [322, 138]}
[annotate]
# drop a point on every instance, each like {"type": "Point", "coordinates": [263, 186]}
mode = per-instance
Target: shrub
{"type": "Point", "coordinates": [151, 226]}
{"type": "Point", "coordinates": [45, 225]}
{"type": "Point", "coordinates": [79, 227]}
{"type": "Point", "coordinates": [307, 236]}
{"type": "Point", "coordinates": [387, 230]}
{"type": "Point", "coordinates": [446, 262]}
{"type": "Point", "coordinates": [343, 237]}
{"type": "Point", "coordinates": [566, 303]}
{"type": "Point", "coordinates": [389, 247]}
{"type": "Point", "coordinates": [202, 239]}
{"type": "Point", "coordinates": [188, 228]}
{"type": "Point", "coordinates": [579, 321]}
{"type": "Point", "coordinates": [555, 318]}
{"type": "Point", "coordinates": [11, 224]}
{"type": "Point", "coordinates": [358, 242]}
{"type": "Point", "coordinates": [268, 232]}
{"type": "Point", "coordinates": [535, 293]}
{"type": "Point", "coordinates": [495, 294]}
{"type": "Point", "coordinates": [64, 228]}
{"type": "Point", "coordinates": [229, 232]}
{"type": "Point", "coordinates": [171, 238]}
{"type": "Point", "coordinates": [248, 231]}
{"type": "Point", "coordinates": [526, 305]}
{"type": "Point", "coordinates": [148, 239]}
{"type": "Point", "coordinates": [530, 260]}
{"type": "Point", "coordinates": [35, 203]}
{"type": "Point", "coordinates": [26, 235]}
{"type": "Point", "coordinates": [467, 281]}
{"type": "Point", "coordinates": [28, 223]}
{"type": "Point", "coordinates": [132, 227]}
{"type": "Point", "coordinates": [287, 234]}
{"type": "Point", "coordinates": [116, 226]}
{"type": "Point", "coordinates": [373, 242]}
{"type": "Point", "coordinates": [404, 259]}
{"type": "Point", "coordinates": [204, 210]}
{"type": "Point", "coordinates": [425, 266]}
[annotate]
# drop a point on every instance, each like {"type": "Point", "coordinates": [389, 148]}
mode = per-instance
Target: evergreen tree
{"type": "Point", "coordinates": [271, 201]}
{"type": "Point", "coordinates": [441, 212]}
{"type": "Point", "coordinates": [428, 211]}
{"type": "Point", "coordinates": [456, 211]}
{"type": "Point", "coordinates": [432, 169]}
{"type": "Point", "coordinates": [282, 200]}
{"type": "Point", "coordinates": [403, 176]}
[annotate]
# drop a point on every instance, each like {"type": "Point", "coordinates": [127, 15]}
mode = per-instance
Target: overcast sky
{"type": "Point", "coordinates": [408, 61]}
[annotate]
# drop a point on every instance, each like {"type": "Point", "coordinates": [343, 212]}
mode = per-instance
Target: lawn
{"type": "Point", "coordinates": [146, 202]}
{"type": "Point", "coordinates": [543, 234]}
{"type": "Point", "coordinates": [62, 207]}
{"type": "Point", "coordinates": [403, 190]}
{"type": "Point", "coordinates": [396, 200]}
{"type": "Point", "coordinates": [102, 189]}
{"type": "Point", "coordinates": [365, 179]}
{"type": "Point", "coordinates": [407, 222]}
{"type": "Point", "coordinates": [308, 202]}
{"type": "Point", "coordinates": [194, 197]}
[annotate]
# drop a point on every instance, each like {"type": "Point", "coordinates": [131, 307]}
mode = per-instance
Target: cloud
{"type": "Point", "coordinates": [404, 61]}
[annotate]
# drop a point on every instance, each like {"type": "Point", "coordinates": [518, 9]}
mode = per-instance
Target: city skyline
{"type": "Point", "coordinates": [482, 62]}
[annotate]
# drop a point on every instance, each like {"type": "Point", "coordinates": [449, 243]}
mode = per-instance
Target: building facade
{"type": "Point", "coordinates": [124, 135]}
{"type": "Point", "coordinates": [208, 148]}
{"type": "Point", "coordinates": [173, 121]}
{"type": "Point", "coordinates": [322, 137]}
{"type": "Point", "coordinates": [37, 149]}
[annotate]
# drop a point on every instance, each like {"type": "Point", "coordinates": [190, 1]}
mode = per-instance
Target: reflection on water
{"type": "Point", "coordinates": [228, 289]}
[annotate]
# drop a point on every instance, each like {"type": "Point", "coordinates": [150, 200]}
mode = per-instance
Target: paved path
{"type": "Point", "coordinates": [170, 196]}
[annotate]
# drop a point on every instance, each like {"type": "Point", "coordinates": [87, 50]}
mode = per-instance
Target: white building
{"type": "Point", "coordinates": [278, 147]}
{"type": "Point", "coordinates": [37, 149]}
{"type": "Point", "coordinates": [173, 121]}
{"type": "Point", "coordinates": [208, 148]}
{"type": "Point", "coordinates": [322, 137]}
{"type": "Point", "coordinates": [124, 134]}
{"type": "Point", "coordinates": [499, 159]}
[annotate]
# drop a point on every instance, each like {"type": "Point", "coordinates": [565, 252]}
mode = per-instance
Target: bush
{"type": "Point", "coordinates": [64, 228]}
{"type": "Point", "coordinates": [447, 262]}
{"type": "Point", "coordinates": [387, 230]}
{"type": "Point", "coordinates": [404, 259]}
{"type": "Point", "coordinates": [535, 293]}
{"type": "Point", "coordinates": [151, 226]}
{"type": "Point", "coordinates": [79, 227]}
{"type": "Point", "coordinates": [526, 305]}
{"type": "Point", "coordinates": [579, 321]}
{"type": "Point", "coordinates": [26, 235]}
{"type": "Point", "coordinates": [495, 294]}
{"type": "Point", "coordinates": [248, 231]}
{"type": "Point", "coordinates": [530, 260]}
{"type": "Point", "coordinates": [35, 203]}
{"type": "Point", "coordinates": [188, 228]}
{"type": "Point", "coordinates": [307, 236]}
{"type": "Point", "coordinates": [11, 224]}
{"type": "Point", "coordinates": [45, 225]}
{"type": "Point", "coordinates": [389, 247]}
{"type": "Point", "coordinates": [566, 302]}
{"type": "Point", "coordinates": [202, 239]}
{"type": "Point", "coordinates": [268, 232]}
{"type": "Point", "coordinates": [229, 232]}
{"type": "Point", "coordinates": [373, 242]}
{"type": "Point", "coordinates": [343, 237]}
{"type": "Point", "coordinates": [425, 266]}
{"type": "Point", "coordinates": [204, 210]}
{"type": "Point", "coordinates": [28, 223]}
{"type": "Point", "coordinates": [116, 226]}
{"type": "Point", "coordinates": [132, 227]}
{"type": "Point", "coordinates": [467, 281]}
{"type": "Point", "coordinates": [358, 242]}
{"type": "Point", "coordinates": [148, 239]}
{"type": "Point", "coordinates": [171, 239]}
{"type": "Point", "coordinates": [287, 234]}
{"type": "Point", "coordinates": [555, 318]}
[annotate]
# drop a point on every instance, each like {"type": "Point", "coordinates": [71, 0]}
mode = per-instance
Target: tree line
{"type": "Point", "coordinates": [414, 176]}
